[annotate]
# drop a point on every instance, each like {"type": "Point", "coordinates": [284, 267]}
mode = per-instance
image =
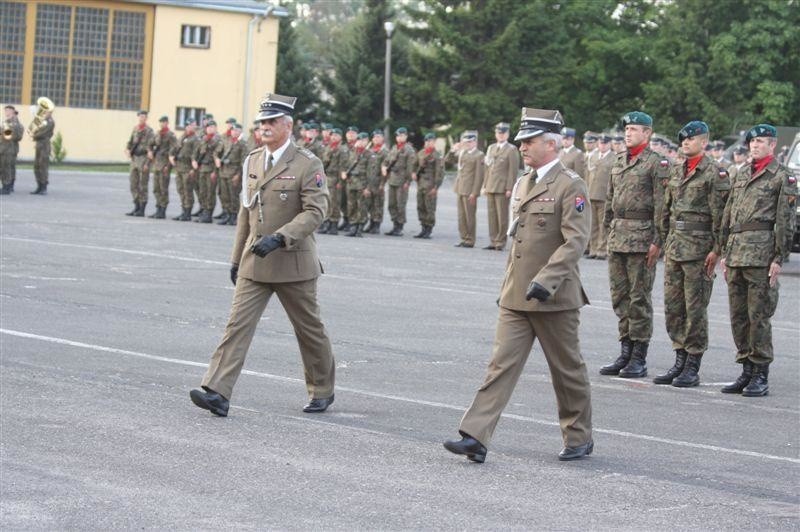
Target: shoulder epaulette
{"type": "Point", "coordinates": [572, 173]}
{"type": "Point", "coordinates": [260, 148]}
{"type": "Point", "coordinates": [305, 151]}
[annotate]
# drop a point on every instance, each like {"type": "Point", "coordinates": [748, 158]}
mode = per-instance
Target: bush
{"type": "Point", "coordinates": [57, 152]}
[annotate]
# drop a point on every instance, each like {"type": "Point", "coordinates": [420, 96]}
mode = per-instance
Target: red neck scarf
{"type": "Point", "coordinates": [760, 164]}
{"type": "Point", "coordinates": [634, 152]}
{"type": "Point", "coordinates": [334, 144]}
{"type": "Point", "coordinates": [401, 145]}
{"type": "Point", "coordinates": [691, 164]}
{"type": "Point", "coordinates": [209, 136]}
{"type": "Point", "coordinates": [360, 150]}
{"type": "Point", "coordinates": [229, 133]}
{"type": "Point", "coordinates": [164, 131]}
{"type": "Point", "coordinates": [141, 126]}
{"type": "Point", "coordinates": [428, 151]}
{"type": "Point", "coordinates": [377, 147]}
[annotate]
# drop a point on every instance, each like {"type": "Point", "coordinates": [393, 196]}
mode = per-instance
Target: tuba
{"type": "Point", "coordinates": [8, 131]}
{"type": "Point", "coordinates": [44, 105]}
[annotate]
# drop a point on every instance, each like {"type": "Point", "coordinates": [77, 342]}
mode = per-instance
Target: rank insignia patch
{"type": "Point", "coordinates": [318, 179]}
{"type": "Point", "coordinates": [580, 203]}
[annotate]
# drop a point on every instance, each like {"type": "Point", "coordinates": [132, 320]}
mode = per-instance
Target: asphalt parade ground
{"type": "Point", "coordinates": [108, 321]}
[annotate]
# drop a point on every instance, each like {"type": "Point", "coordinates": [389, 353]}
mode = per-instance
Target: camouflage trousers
{"type": "Point", "coordinates": [426, 206]}
{"type": "Point", "coordinates": [752, 303]}
{"type": "Point", "coordinates": [335, 188]}
{"type": "Point", "coordinates": [398, 197]}
{"type": "Point", "coordinates": [208, 188]}
{"type": "Point", "coordinates": [687, 291]}
{"type": "Point", "coordinates": [375, 203]}
{"type": "Point", "coordinates": [161, 176]}
{"type": "Point", "coordinates": [228, 193]}
{"type": "Point", "coordinates": [356, 205]}
{"type": "Point", "coordinates": [497, 206]}
{"type": "Point", "coordinates": [41, 164]}
{"type": "Point", "coordinates": [7, 170]}
{"type": "Point", "coordinates": [139, 177]}
{"type": "Point", "coordinates": [631, 294]}
{"type": "Point", "coordinates": [598, 239]}
{"type": "Point", "coordinates": [186, 184]}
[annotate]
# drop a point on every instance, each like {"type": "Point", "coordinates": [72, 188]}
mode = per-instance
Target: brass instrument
{"type": "Point", "coordinates": [8, 132]}
{"type": "Point", "coordinates": [44, 105]}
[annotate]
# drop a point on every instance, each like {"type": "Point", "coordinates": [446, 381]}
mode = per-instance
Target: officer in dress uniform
{"type": "Point", "coordinates": [469, 161]}
{"type": "Point", "coordinates": [571, 156]}
{"type": "Point", "coordinates": [274, 252]}
{"type": "Point", "coordinates": [502, 169]}
{"type": "Point", "coordinates": [598, 179]}
{"type": "Point", "coordinates": [541, 295]}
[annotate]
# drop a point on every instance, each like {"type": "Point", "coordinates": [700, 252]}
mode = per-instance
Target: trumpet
{"type": "Point", "coordinates": [44, 105]}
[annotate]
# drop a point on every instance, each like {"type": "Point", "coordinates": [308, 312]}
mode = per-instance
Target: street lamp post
{"type": "Point", "coordinates": [387, 87]}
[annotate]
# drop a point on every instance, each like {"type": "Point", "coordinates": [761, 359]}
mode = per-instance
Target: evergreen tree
{"type": "Point", "coordinates": [295, 76]}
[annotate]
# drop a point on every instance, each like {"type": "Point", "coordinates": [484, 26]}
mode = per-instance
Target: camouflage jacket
{"type": "Point", "coordinates": [183, 151]}
{"type": "Point", "coordinates": [233, 154]}
{"type": "Point", "coordinates": [759, 220]}
{"type": "Point", "coordinates": [11, 146]}
{"type": "Point", "coordinates": [334, 160]}
{"type": "Point", "coordinates": [376, 158]}
{"type": "Point", "coordinates": [635, 201]}
{"type": "Point", "coordinates": [357, 166]}
{"type": "Point", "coordinates": [163, 145]}
{"type": "Point", "coordinates": [44, 133]}
{"type": "Point", "coordinates": [429, 169]}
{"type": "Point", "coordinates": [140, 141]}
{"type": "Point", "coordinates": [691, 221]}
{"type": "Point", "coordinates": [316, 147]}
{"type": "Point", "coordinates": [400, 164]}
{"type": "Point", "coordinates": [208, 149]}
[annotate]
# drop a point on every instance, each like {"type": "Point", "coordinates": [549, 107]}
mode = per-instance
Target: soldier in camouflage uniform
{"type": "Point", "coordinates": [397, 170]}
{"type": "Point", "coordinates": [429, 174]}
{"type": "Point", "coordinates": [334, 161]}
{"type": "Point", "coordinates": [759, 223]}
{"type": "Point", "coordinates": [691, 222]}
{"type": "Point", "coordinates": [254, 141]}
{"type": "Point", "coordinates": [41, 164]}
{"type": "Point", "coordinates": [185, 175]}
{"type": "Point", "coordinates": [138, 149]}
{"type": "Point", "coordinates": [632, 217]}
{"type": "Point", "coordinates": [314, 144]}
{"type": "Point", "coordinates": [375, 183]}
{"type": "Point", "coordinates": [204, 161]}
{"type": "Point", "coordinates": [355, 178]}
{"type": "Point", "coordinates": [9, 147]}
{"type": "Point", "coordinates": [230, 174]}
{"type": "Point", "coordinates": [164, 144]}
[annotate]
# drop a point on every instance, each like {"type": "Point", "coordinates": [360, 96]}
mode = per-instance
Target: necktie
{"type": "Point", "coordinates": [270, 162]}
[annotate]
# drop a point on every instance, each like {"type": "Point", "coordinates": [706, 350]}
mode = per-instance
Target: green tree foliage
{"type": "Point", "coordinates": [295, 75]}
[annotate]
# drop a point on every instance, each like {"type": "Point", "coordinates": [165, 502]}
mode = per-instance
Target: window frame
{"type": "Point", "coordinates": [204, 31]}
{"type": "Point", "coordinates": [183, 112]}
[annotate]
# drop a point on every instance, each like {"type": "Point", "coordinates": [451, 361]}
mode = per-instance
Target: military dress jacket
{"type": "Point", "coordinates": [502, 168]}
{"type": "Point", "coordinates": [400, 164]}
{"type": "Point", "coordinates": [376, 159]}
{"type": "Point", "coordinates": [600, 175]}
{"type": "Point", "coordinates": [471, 170]}
{"type": "Point", "coordinates": [290, 199]}
{"type": "Point", "coordinates": [162, 147]}
{"type": "Point", "coordinates": [691, 221]}
{"type": "Point", "coordinates": [208, 149]}
{"type": "Point", "coordinates": [635, 202]}
{"type": "Point", "coordinates": [429, 169]}
{"type": "Point", "coordinates": [140, 141]}
{"type": "Point", "coordinates": [759, 219]}
{"type": "Point", "coordinates": [574, 159]}
{"type": "Point", "coordinates": [183, 151]}
{"type": "Point", "coordinates": [232, 157]}
{"type": "Point", "coordinates": [550, 230]}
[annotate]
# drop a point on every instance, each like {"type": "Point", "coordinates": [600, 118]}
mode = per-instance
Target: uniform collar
{"type": "Point", "coordinates": [542, 171]}
{"type": "Point", "coordinates": [277, 154]}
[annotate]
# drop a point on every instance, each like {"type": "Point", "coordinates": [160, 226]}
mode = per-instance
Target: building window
{"type": "Point", "coordinates": [195, 36]}
{"type": "Point", "coordinates": [12, 50]}
{"type": "Point", "coordinates": [184, 113]}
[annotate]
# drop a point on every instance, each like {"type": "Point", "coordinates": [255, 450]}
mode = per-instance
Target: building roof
{"type": "Point", "coordinates": [250, 7]}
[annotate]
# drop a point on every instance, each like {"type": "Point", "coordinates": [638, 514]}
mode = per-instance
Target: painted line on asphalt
{"type": "Point", "coordinates": [399, 398]}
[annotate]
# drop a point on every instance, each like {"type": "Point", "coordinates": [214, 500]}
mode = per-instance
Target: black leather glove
{"type": "Point", "coordinates": [234, 273]}
{"type": "Point", "coordinates": [535, 290]}
{"type": "Point", "coordinates": [267, 244]}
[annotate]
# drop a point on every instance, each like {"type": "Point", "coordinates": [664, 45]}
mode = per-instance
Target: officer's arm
{"type": "Point", "coordinates": [479, 171]}
{"type": "Point", "coordinates": [513, 169]}
{"type": "Point", "coordinates": [785, 216]}
{"type": "Point", "coordinates": [660, 173]}
{"type": "Point", "coordinates": [575, 226]}
{"type": "Point", "coordinates": [720, 190]}
{"type": "Point", "coordinates": [314, 198]}
{"type": "Point", "coordinates": [243, 225]}
{"type": "Point", "coordinates": [580, 166]}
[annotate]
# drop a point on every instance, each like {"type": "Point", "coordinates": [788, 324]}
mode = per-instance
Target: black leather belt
{"type": "Point", "coordinates": [633, 215]}
{"type": "Point", "coordinates": [681, 225]}
{"type": "Point", "coordinates": [752, 226]}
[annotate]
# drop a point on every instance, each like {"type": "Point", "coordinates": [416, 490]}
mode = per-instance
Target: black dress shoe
{"type": "Point", "coordinates": [490, 247]}
{"type": "Point", "coordinates": [318, 405]}
{"type": "Point", "coordinates": [469, 446]}
{"type": "Point", "coordinates": [573, 453]}
{"type": "Point", "coordinates": [459, 245]}
{"type": "Point", "coordinates": [211, 401]}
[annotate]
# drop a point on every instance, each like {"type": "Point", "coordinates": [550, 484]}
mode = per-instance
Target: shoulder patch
{"type": "Point", "coordinates": [664, 163]}
{"type": "Point", "coordinates": [791, 179]}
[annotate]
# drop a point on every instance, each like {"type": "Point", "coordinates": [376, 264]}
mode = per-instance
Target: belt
{"type": "Point", "coordinates": [633, 215]}
{"type": "Point", "coordinates": [752, 226]}
{"type": "Point", "coordinates": [139, 153]}
{"type": "Point", "coordinates": [681, 225]}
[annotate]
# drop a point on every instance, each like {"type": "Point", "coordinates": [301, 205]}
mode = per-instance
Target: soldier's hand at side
{"type": "Point", "coordinates": [267, 244]}
{"type": "Point", "coordinates": [172, 160]}
{"type": "Point", "coordinates": [406, 185]}
{"type": "Point", "coordinates": [472, 199]}
{"type": "Point", "coordinates": [433, 192]}
{"type": "Point", "coordinates": [535, 290]}
{"type": "Point", "coordinates": [711, 264]}
{"type": "Point", "coordinates": [724, 270]}
{"type": "Point", "coordinates": [195, 165]}
{"type": "Point", "coordinates": [234, 273]}
{"type": "Point", "coordinates": [383, 171]}
{"type": "Point", "coordinates": [774, 271]}
{"type": "Point", "coordinates": [414, 176]}
{"type": "Point", "coordinates": [367, 193]}
{"type": "Point", "coordinates": [652, 255]}
{"type": "Point", "coordinates": [508, 193]}
{"type": "Point", "coordinates": [213, 177]}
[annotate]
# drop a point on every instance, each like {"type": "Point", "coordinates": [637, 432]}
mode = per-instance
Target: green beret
{"type": "Point", "coordinates": [336, 131]}
{"type": "Point", "coordinates": [164, 118]}
{"type": "Point", "coordinates": [231, 120]}
{"type": "Point", "coordinates": [692, 129]}
{"type": "Point", "coordinates": [237, 125]}
{"type": "Point", "coordinates": [377, 132]}
{"type": "Point", "coordinates": [352, 128]}
{"type": "Point", "coordinates": [401, 131]}
{"type": "Point", "coordinates": [313, 125]}
{"type": "Point", "coordinates": [305, 127]}
{"type": "Point", "coordinates": [761, 130]}
{"type": "Point", "coordinates": [637, 118]}
{"type": "Point", "coordinates": [211, 123]}
{"type": "Point", "coordinates": [363, 135]}
{"type": "Point", "coordinates": [142, 112]}
{"type": "Point", "coordinates": [431, 136]}
{"type": "Point", "coordinates": [188, 121]}
{"type": "Point", "coordinates": [208, 116]}
{"type": "Point", "coordinates": [327, 126]}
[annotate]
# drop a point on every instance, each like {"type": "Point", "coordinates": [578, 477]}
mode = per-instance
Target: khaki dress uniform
{"type": "Point", "coordinates": [598, 180]}
{"type": "Point", "coordinates": [400, 163]}
{"type": "Point", "coordinates": [430, 174]}
{"type": "Point", "coordinates": [573, 158]}
{"type": "Point", "coordinates": [163, 145]}
{"type": "Point", "coordinates": [502, 169]}
{"type": "Point", "coordinates": [469, 181]}
{"type": "Point", "coordinates": [41, 163]}
{"type": "Point", "coordinates": [185, 175]}
{"type": "Point", "coordinates": [552, 222]}
{"type": "Point", "coordinates": [289, 199]}
{"type": "Point", "coordinates": [207, 150]}
{"type": "Point", "coordinates": [139, 143]}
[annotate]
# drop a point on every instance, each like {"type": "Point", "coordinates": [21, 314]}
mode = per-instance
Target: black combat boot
{"type": "Point", "coordinates": [422, 232]}
{"type": "Point", "coordinates": [354, 228]}
{"type": "Point", "coordinates": [135, 209]}
{"type": "Point", "coordinates": [223, 214]}
{"type": "Point", "coordinates": [359, 232]}
{"type": "Point", "coordinates": [367, 226]}
{"type": "Point", "coordinates": [622, 360]}
{"type": "Point", "coordinates": [43, 192]}
{"type": "Point", "coordinates": [742, 380]}
{"type": "Point", "coordinates": [324, 227]}
{"type": "Point", "coordinates": [180, 216]}
{"type": "Point", "coordinates": [758, 385]}
{"type": "Point", "coordinates": [232, 219]}
{"type": "Point", "coordinates": [205, 218]}
{"type": "Point", "coordinates": [224, 220]}
{"type": "Point", "coordinates": [675, 370]}
{"type": "Point", "coordinates": [155, 214]}
{"type": "Point", "coordinates": [6, 190]}
{"type": "Point", "coordinates": [333, 228]}
{"type": "Point", "coordinates": [689, 376]}
{"type": "Point", "coordinates": [375, 228]}
{"type": "Point", "coordinates": [140, 212]}
{"type": "Point", "coordinates": [38, 189]}
{"type": "Point", "coordinates": [637, 367]}
{"type": "Point", "coordinates": [428, 232]}
{"type": "Point", "coordinates": [344, 225]}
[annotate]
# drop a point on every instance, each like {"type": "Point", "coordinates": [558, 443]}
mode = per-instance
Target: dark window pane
{"type": "Point", "coordinates": [11, 77]}
{"type": "Point", "coordinates": [91, 32]}
{"type": "Point", "coordinates": [127, 39]}
{"type": "Point", "coordinates": [52, 29]}
{"type": "Point", "coordinates": [49, 78]}
{"type": "Point", "coordinates": [12, 27]}
{"type": "Point", "coordinates": [125, 85]}
{"type": "Point", "coordinates": [86, 83]}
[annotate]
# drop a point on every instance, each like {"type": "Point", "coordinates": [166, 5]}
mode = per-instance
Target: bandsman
{"type": "Point", "coordinates": [185, 175]}
{"type": "Point", "coordinates": [429, 174]}
{"type": "Point", "coordinates": [718, 153]}
{"type": "Point", "coordinates": [758, 226]}
{"type": "Point", "coordinates": [691, 223]}
{"type": "Point", "coordinates": [571, 156]}
{"type": "Point", "coordinates": [397, 170]}
{"type": "Point", "coordinates": [9, 148]}
{"type": "Point", "coordinates": [355, 178]}
{"type": "Point", "coordinates": [204, 161]}
{"type": "Point", "coordinates": [740, 155]}
{"type": "Point", "coordinates": [164, 144]}
{"type": "Point", "coordinates": [138, 149]}
{"type": "Point", "coordinates": [375, 183]}
{"type": "Point", "coordinates": [502, 169]}
{"type": "Point", "coordinates": [469, 181]}
{"type": "Point", "coordinates": [334, 160]}
{"type": "Point", "coordinates": [41, 163]}
{"type": "Point", "coordinates": [632, 217]}
{"type": "Point", "coordinates": [230, 174]}
{"type": "Point", "coordinates": [598, 180]}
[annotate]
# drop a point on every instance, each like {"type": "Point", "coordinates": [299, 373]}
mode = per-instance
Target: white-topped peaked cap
{"type": "Point", "coordinates": [534, 122]}
{"type": "Point", "coordinates": [275, 105]}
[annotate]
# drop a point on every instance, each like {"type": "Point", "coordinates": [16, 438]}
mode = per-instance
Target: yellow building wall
{"type": "Point", "coordinates": [212, 78]}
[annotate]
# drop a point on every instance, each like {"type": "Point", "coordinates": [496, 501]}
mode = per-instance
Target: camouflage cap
{"type": "Point", "coordinates": [692, 129]}
{"type": "Point", "coordinates": [164, 118]}
{"type": "Point", "coordinates": [430, 136]}
{"type": "Point", "coordinates": [568, 132]}
{"type": "Point", "coordinates": [535, 122]}
{"type": "Point", "coordinates": [401, 131]}
{"type": "Point", "coordinates": [469, 134]}
{"type": "Point", "coordinates": [637, 118]}
{"type": "Point", "coordinates": [502, 127]}
{"type": "Point", "coordinates": [761, 130]}
{"type": "Point", "coordinates": [275, 105]}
